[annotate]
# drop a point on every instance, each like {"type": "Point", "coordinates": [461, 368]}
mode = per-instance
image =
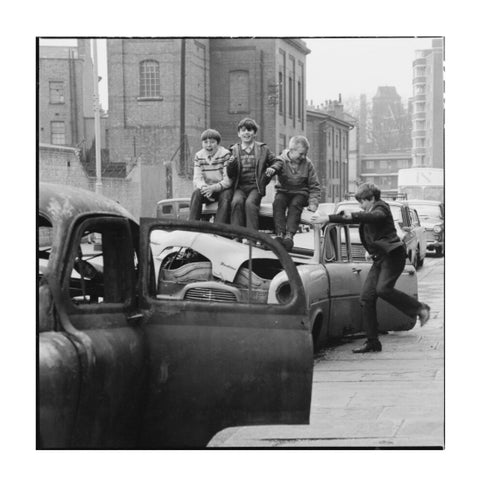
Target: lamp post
{"type": "Point", "coordinates": [96, 109]}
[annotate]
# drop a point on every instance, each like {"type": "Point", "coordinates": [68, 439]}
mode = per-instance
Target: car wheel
{"type": "Point", "coordinates": [419, 260]}
{"type": "Point", "coordinates": [439, 251]}
{"type": "Point", "coordinates": [413, 259]}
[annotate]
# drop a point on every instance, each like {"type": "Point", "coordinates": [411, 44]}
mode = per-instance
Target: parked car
{"type": "Point", "coordinates": [121, 367]}
{"type": "Point", "coordinates": [407, 224]}
{"type": "Point", "coordinates": [331, 275]}
{"type": "Point", "coordinates": [432, 217]}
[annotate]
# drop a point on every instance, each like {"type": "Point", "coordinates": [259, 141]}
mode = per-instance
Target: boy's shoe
{"type": "Point", "coordinates": [288, 243]}
{"type": "Point", "coordinates": [369, 346]}
{"type": "Point", "coordinates": [424, 314]}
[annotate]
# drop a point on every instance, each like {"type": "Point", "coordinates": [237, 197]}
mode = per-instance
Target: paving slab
{"type": "Point", "coordinates": [390, 399]}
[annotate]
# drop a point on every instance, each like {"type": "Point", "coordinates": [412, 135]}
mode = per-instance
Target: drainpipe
{"type": "Point", "coordinates": [182, 107]}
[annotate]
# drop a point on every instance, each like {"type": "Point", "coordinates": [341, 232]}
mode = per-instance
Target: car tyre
{"type": "Point", "coordinates": [439, 251]}
{"type": "Point", "coordinates": [419, 259]}
{"type": "Point", "coordinates": [413, 259]}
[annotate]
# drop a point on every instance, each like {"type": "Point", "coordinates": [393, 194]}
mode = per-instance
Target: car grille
{"type": "Point", "coordinates": [430, 235]}
{"type": "Point", "coordinates": [358, 252]}
{"type": "Point", "coordinates": [209, 294]}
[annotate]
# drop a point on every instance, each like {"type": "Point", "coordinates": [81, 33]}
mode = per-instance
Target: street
{"type": "Point", "coordinates": [394, 398]}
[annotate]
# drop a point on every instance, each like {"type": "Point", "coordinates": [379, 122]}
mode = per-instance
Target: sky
{"type": "Point", "coordinates": [354, 66]}
{"type": "Point", "coordinates": [350, 66]}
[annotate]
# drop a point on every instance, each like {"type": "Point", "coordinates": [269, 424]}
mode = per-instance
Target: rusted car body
{"type": "Point", "coordinates": [119, 367]}
{"type": "Point", "coordinates": [327, 260]}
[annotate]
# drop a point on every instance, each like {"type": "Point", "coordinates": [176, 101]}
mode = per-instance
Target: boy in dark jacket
{"type": "Point", "coordinates": [380, 239]}
{"type": "Point", "coordinates": [297, 187]}
{"type": "Point", "coordinates": [251, 168]}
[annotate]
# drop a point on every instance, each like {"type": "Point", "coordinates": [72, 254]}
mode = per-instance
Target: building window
{"type": "Point", "coordinates": [282, 143]}
{"type": "Point", "coordinates": [337, 169]}
{"type": "Point", "coordinates": [57, 92]}
{"type": "Point", "coordinates": [300, 102]}
{"type": "Point", "coordinates": [336, 140]}
{"type": "Point", "coordinates": [57, 129]}
{"type": "Point", "coordinates": [280, 92]}
{"type": "Point", "coordinates": [290, 97]}
{"type": "Point", "coordinates": [370, 164]}
{"type": "Point", "coordinates": [383, 164]}
{"type": "Point", "coordinates": [239, 102]}
{"type": "Point", "coordinates": [329, 141]}
{"type": "Point", "coordinates": [149, 79]}
{"type": "Point", "coordinates": [344, 138]}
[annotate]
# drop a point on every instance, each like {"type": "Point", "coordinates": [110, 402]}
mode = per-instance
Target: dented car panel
{"type": "Point", "coordinates": [119, 368]}
{"type": "Point", "coordinates": [268, 381]}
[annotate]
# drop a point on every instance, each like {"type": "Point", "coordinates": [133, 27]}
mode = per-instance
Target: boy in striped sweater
{"type": "Point", "coordinates": [210, 180]}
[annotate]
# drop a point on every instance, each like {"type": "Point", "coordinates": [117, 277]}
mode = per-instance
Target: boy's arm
{"type": "Point", "coordinates": [232, 165]}
{"type": "Point", "coordinates": [273, 161]}
{"type": "Point", "coordinates": [226, 181]}
{"type": "Point", "coordinates": [198, 179]}
{"type": "Point", "coordinates": [377, 215]}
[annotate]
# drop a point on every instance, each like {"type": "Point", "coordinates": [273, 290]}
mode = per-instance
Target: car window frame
{"type": "Point", "coordinates": [76, 234]}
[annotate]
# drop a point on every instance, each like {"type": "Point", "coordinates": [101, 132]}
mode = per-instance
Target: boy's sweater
{"type": "Point", "coordinates": [298, 178]}
{"type": "Point", "coordinates": [211, 170]}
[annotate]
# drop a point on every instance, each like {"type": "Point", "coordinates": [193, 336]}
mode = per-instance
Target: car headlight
{"type": "Point", "coordinates": [437, 229]}
{"type": "Point", "coordinates": [284, 292]}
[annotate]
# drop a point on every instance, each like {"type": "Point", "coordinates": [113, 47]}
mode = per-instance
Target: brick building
{"type": "Point", "coordinates": [164, 92]}
{"type": "Point", "coordinates": [382, 168]}
{"type": "Point", "coordinates": [65, 97]}
{"type": "Point", "coordinates": [328, 133]}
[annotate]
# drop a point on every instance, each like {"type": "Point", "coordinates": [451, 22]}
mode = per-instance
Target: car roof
{"type": "Point", "coordinates": [425, 202]}
{"type": "Point", "coordinates": [64, 203]}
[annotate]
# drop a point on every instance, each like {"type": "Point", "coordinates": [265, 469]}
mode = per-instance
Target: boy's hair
{"type": "Point", "coordinates": [249, 124]}
{"type": "Point", "coordinates": [367, 191]}
{"type": "Point", "coordinates": [213, 134]}
{"type": "Point", "coordinates": [299, 140]}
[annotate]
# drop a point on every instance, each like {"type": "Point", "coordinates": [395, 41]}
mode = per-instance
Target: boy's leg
{"type": "Point", "coordinates": [196, 202]}
{"type": "Point", "coordinates": [280, 204]}
{"type": "Point", "coordinates": [224, 206]}
{"type": "Point", "coordinates": [252, 208]}
{"type": "Point", "coordinates": [391, 268]}
{"type": "Point", "coordinates": [238, 208]}
{"type": "Point", "coordinates": [295, 208]}
{"type": "Point", "coordinates": [368, 302]}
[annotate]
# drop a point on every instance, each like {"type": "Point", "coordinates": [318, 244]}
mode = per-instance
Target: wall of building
{"type": "Point", "coordinates": [329, 149]}
{"type": "Point", "coordinates": [382, 168]}
{"type": "Point", "coordinates": [137, 192]}
{"type": "Point", "coordinates": [150, 129]}
{"type": "Point", "coordinates": [73, 67]}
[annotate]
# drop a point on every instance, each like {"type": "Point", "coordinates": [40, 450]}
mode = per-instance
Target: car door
{"type": "Point", "coordinates": [105, 375]}
{"type": "Point", "coordinates": [345, 281]}
{"type": "Point", "coordinates": [216, 362]}
{"type": "Point", "coordinates": [419, 230]}
{"type": "Point", "coordinates": [409, 235]}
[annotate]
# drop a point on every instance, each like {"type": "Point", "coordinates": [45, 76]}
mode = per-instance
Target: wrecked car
{"type": "Point", "coordinates": [124, 362]}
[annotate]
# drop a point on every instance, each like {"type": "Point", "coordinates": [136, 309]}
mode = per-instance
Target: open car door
{"type": "Point", "coordinates": [220, 356]}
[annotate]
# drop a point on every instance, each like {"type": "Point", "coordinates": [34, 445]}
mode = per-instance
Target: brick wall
{"type": "Point", "coordinates": [138, 191]}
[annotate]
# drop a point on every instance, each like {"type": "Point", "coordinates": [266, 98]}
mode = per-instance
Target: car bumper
{"type": "Point", "coordinates": [432, 245]}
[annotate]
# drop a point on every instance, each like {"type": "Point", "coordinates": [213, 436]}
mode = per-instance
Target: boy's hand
{"type": "Point", "coordinates": [207, 191]}
{"type": "Point", "coordinates": [319, 218]}
{"type": "Point", "coordinates": [312, 207]}
{"type": "Point", "coordinates": [270, 172]}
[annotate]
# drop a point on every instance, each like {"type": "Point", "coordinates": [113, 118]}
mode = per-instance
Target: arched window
{"type": "Point", "coordinates": [149, 79]}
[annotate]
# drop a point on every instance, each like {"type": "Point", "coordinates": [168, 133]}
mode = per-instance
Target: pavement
{"type": "Point", "coordinates": [390, 399]}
